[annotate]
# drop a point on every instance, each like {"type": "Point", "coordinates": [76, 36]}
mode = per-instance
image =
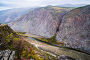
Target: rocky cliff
{"type": "Point", "coordinates": [41, 21]}
{"type": "Point", "coordinates": [74, 30]}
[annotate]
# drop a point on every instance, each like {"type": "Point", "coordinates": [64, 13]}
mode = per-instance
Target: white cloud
{"type": "Point", "coordinates": [35, 3]}
{"type": "Point", "coordinates": [4, 8]}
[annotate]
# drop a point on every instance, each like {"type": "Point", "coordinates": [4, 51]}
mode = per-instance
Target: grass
{"type": "Point", "coordinates": [62, 51]}
{"type": "Point", "coordinates": [51, 41]}
{"type": "Point", "coordinates": [23, 50]}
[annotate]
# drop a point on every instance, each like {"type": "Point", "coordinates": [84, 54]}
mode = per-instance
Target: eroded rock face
{"type": "Point", "coordinates": [41, 21]}
{"type": "Point", "coordinates": [7, 55]}
{"type": "Point", "coordinates": [74, 30]}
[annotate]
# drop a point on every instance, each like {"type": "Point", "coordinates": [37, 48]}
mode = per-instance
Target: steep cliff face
{"type": "Point", "coordinates": [74, 30]}
{"type": "Point", "coordinates": [41, 21]}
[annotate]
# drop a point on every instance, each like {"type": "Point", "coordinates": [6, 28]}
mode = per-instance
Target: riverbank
{"type": "Point", "coordinates": [56, 50]}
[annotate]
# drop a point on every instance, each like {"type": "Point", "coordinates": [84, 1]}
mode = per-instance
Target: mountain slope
{"type": "Point", "coordinates": [74, 30]}
{"type": "Point", "coordinates": [12, 14]}
{"type": "Point", "coordinates": [11, 41]}
{"type": "Point", "coordinates": [41, 21]}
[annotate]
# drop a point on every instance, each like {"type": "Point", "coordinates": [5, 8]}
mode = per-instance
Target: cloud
{"type": "Point", "coordinates": [36, 3]}
{"type": "Point", "coordinates": [4, 8]}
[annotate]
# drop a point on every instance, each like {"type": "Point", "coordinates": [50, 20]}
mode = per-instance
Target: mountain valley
{"type": "Point", "coordinates": [46, 33]}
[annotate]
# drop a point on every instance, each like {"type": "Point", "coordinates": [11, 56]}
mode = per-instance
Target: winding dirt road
{"type": "Point", "coordinates": [56, 51]}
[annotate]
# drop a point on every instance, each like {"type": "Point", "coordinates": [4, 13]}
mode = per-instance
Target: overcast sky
{"type": "Point", "coordinates": [7, 4]}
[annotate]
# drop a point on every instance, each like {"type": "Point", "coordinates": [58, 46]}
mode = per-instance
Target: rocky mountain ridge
{"type": "Point", "coordinates": [42, 21]}
{"type": "Point", "coordinates": [74, 30]}
{"type": "Point", "coordinates": [71, 27]}
{"type": "Point", "coordinates": [10, 15]}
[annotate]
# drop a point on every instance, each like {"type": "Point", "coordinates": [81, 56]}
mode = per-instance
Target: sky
{"type": "Point", "coordinates": [9, 4]}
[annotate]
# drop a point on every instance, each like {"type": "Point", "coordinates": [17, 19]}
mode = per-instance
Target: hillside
{"type": "Point", "coordinates": [61, 32]}
{"type": "Point", "coordinates": [11, 42]}
{"type": "Point", "coordinates": [41, 21]}
{"type": "Point", "coordinates": [74, 30]}
{"type": "Point", "coordinates": [71, 27]}
{"type": "Point", "coordinates": [5, 30]}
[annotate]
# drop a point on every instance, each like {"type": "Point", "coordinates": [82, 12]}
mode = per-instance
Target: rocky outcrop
{"type": "Point", "coordinates": [7, 55]}
{"type": "Point", "coordinates": [74, 30]}
{"type": "Point", "coordinates": [41, 21]}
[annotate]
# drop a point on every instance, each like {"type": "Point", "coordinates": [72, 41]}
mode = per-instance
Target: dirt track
{"type": "Point", "coordinates": [56, 50]}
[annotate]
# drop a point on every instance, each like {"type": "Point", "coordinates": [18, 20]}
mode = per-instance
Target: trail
{"type": "Point", "coordinates": [56, 51]}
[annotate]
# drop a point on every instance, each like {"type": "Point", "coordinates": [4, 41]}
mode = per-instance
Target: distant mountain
{"type": "Point", "coordinates": [72, 5]}
{"type": "Point", "coordinates": [74, 30]}
{"type": "Point", "coordinates": [41, 21]}
{"type": "Point", "coordinates": [9, 15]}
{"type": "Point", "coordinates": [12, 14]}
{"type": "Point", "coordinates": [71, 26]}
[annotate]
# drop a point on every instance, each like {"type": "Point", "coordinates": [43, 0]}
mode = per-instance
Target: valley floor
{"type": "Point", "coordinates": [55, 51]}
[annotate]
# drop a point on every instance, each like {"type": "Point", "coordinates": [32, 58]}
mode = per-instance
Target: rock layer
{"type": "Point", "coordinates": [74, 30]}
{"type": "Point", "coordinates": [7, 55]}
{"type": "Point", "coordinates": [41, 21]}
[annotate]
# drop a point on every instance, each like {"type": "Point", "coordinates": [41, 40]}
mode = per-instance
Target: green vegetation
{"type": "Point", "coordinates": [52, 40]}
{"type": "Point", "coordinates": [15, 42]}
{"type": "Point", "coordinates": [21, 34]}
{"type": "Point", "coordinates": [12, 41]}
